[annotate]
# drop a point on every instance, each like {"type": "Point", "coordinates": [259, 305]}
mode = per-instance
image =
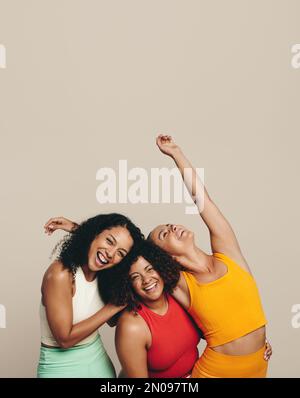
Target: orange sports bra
{"type": "Point", "coordinates": [227, 308]}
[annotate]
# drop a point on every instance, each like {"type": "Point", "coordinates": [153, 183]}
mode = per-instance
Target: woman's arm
{"type": "Point", "coordinates": [222, 236]}
{"type": "Point", "coordinates": [62, 223]}
{"type": "Point", "coordinates": [131, 345]}
{"type": "Point", "coordinates": [57, 298]}
{"type": "Point", "coordinates": [181, 293]}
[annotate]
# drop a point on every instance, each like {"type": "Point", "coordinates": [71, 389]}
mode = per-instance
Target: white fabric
{"type": "Point", "coordinates": [86, 302]}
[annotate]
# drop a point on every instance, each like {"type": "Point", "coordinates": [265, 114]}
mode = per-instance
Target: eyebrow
{"type": "Point", "coordinates": [135, 272]}
{"type": "Point", "coordinates": [159, 235]}
{"type": "Point", "coordinates": [115, 241]}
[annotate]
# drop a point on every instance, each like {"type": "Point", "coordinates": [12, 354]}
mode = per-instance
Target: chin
{"type": "Point", "coordinates": [153, 298]}
{"type": "Point", "coordinates": [93, 268]}
{"type": "Point", "coordinates": [157, 295]}
{"type": "Point", "coordinates": [190, 236]}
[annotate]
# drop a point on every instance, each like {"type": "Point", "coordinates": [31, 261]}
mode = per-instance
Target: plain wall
{"type": "Point", "coordinates": [88, 83]}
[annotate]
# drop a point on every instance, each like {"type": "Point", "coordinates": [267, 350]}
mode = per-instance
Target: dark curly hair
{"type": "Point", "coordinates": [115, 284]}
{"type": "Point", "coordinates": [74, 248]}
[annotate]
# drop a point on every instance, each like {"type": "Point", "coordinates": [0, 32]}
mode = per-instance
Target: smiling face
{"type": "Point", "coordinates": [145, 280]}
{"type": "Point", "coordinates": [174, 239]}
{"type": "Point", "coordinates": [109, 248]}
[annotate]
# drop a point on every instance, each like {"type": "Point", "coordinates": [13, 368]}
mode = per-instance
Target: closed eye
{"type": "Point", "coordinates": [164, 234]}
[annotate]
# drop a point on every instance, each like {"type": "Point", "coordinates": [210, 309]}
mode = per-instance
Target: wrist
{"type": "Point", "coordinates": [176, 153]}
{"type": "Point", "coordinates": [114, 309]}
{"type": "Point", "coordinates": [74, 227]}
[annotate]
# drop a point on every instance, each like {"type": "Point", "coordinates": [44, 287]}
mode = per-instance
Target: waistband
{"type": "Point", "coordinates": [212, 364]}
{"type": "Point", "coordinates": [95, 341]}
{"type": "Point", "coordinates": [226, 357]}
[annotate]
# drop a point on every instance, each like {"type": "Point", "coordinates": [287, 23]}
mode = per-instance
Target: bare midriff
{"type": "Point", "coordinates": [248, 344]}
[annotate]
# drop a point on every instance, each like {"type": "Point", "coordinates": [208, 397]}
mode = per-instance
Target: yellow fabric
{"type": "Point", "coordinates": [212, 364]}
{"type": "Point", "coordinates": [227, 308]}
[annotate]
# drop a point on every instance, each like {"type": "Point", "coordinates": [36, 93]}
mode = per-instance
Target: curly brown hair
{"type": "Point", "coordinates": [73, 248]}
{"type": "Point", "coordinates": [115, 284]}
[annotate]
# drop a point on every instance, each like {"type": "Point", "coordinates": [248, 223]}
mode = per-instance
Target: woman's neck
{"type": "Point", "coordinates": [159, 306]}
{"type": "Point", "coordinates": [88, 274]}
{"type": "Point", "coordinates": [195, 260]}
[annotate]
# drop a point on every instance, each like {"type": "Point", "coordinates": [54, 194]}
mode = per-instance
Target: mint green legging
{"type": "Point", "coordinates": [87, 360]}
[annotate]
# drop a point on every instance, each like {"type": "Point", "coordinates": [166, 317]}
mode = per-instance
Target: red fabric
{"type": "Point", "coordinates": [175, 337]}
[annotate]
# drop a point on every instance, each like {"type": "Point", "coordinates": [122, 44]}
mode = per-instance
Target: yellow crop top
{"type": "Point", "coordinates": [227, 308]}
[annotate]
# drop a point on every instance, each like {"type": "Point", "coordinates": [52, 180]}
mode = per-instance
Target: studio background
{"type": "Point", "coordinates": [88, 83]}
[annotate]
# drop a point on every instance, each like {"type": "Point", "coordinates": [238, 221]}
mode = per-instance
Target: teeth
{"type": "Point", "coordinates": [101, 258]}
{"type": "Point", "coordinates": [150, 287]}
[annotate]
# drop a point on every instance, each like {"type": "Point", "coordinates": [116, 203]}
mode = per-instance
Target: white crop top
{"type": "Point", "coordinates": [86, 302]}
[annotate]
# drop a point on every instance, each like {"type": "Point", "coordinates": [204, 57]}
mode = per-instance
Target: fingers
{"type": "Point", "coordinates": [268, 353]}
{"type": "Point", "coordinates": [158, 139]}
{"type": "Point", "coordinates": [52, 224]}
{"type": "Point", "coordinates": [163, 138]}
{"type": "Point", "coordinates": [50, 228]}
{"type": "Point", "coordinates": [51, 220]}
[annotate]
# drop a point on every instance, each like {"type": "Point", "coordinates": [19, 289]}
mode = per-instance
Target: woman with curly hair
{"type": "Point", "coordinates": [155, 336]}
{"type": "Point", "coordinates": [71, 311]}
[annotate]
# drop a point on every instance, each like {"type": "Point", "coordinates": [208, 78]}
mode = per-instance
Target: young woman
{"type": "Point", "coordinates": [218, 290]}
{"type": "Point", "coordinates": [71, 310]}
{"type": "Point", "coordinates": [155, 337]}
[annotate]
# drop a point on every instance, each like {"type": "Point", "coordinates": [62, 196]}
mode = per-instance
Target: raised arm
{"type": "Point", "coordinates": [131, 345]}
{"type": "Point", "coordinates": [62, 223]}
{"type": "Point", "coordinates": [222, 236]}
{"type": "Point", "coordinates": [57, 298]}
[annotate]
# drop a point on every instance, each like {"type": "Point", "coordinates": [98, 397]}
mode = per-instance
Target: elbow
{"type": "Point", "coordinates": [64, 343]}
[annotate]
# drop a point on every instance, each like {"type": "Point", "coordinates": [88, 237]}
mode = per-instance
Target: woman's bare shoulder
{"type": "Point", "coordinates": [132, 327]}
{"type": "Point", "coordinates": [131, 321]}
{"type": "Point", "coordinates": [57, 273]}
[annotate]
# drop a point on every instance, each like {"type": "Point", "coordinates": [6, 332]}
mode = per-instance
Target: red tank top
{"type": "Point", "coordinates": [175, 337]}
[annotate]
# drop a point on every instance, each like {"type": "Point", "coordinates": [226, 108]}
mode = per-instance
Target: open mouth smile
{"type": "Point", "coordinates": [151, 287]}
{"type": "Point", "coordinates": [101, 259]}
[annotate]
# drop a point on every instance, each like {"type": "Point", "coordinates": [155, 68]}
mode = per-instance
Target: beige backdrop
{"type": "Point", "coordinates": [90, 82]}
